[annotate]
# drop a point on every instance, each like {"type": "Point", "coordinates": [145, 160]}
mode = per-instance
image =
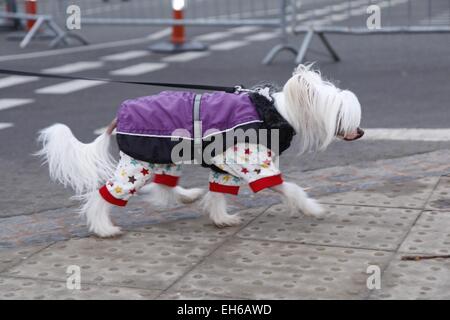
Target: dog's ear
{"type": "Point", "coordinates": [301, 94]}
{"type": "Point", "coordinates": [351, 111]}
{"type": "Point", "coordinates": [301, 89]}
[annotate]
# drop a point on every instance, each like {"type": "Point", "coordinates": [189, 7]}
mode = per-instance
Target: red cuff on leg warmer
{"type": "Point", "coordinates": [216, 187]}
{"type": "Point", "coordinates": [165, 179]}
{"type": "Point", "coordinates": [265, 183]}
{"type": "Point", "coordinates": [104, 192]}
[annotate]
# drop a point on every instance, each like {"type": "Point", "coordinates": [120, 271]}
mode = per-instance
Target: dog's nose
{"type": "Point", "coordinates": [360, 132]}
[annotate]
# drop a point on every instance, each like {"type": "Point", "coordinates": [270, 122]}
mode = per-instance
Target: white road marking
{"type": "Point", "coordinates": [228, 45]}
{"type": "Point", "coordinates": [12, 103]}
{"type": "Point", "coordinates": [15, 80]}
{"type": "Point", "coordinates": [69, 87]}
{"type": "Point", "coordinates": [339, 17]}
{"type": "Point", "coordinates": [186, 56]}
{"type": "Point", "coordinates": [263, 36]}
{"type": "Point", "coordinates": [74, 67]}
{"type": "Point", "coordinates": [407, 134]}
{"type": "Point", "coordinates": [245, 29]}
{"type": "Point", "coordinates": [127, 55]}
{"type": "Point", "coordinates": [213, 36]}
{"type": "Point", "coordinates": [139, 69]}
{"type": "Point", "coordinates": [5, 125]}
{"type": "Point", "coordinates": [102, 130]}
{"type": "Point", "coordinates": [47, 53]}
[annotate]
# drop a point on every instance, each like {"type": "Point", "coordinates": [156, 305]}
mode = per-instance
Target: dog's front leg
{"type": "Point", "coordinates": [215, 204]}
{"type": "Point", "coordinates": [297, 199]}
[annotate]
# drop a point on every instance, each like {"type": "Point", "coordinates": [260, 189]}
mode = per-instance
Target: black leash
{"type": "Point", "coordinates": [145, 83]}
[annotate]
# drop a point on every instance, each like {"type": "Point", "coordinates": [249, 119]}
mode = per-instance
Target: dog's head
{"type": "Point", "coordinates": [349, 117]}
{"type": "Point", "coordinates": [319, 111]}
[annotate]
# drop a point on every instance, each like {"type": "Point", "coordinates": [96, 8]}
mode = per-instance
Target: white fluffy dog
{"type": "Point", "coordinates": [315, 109]}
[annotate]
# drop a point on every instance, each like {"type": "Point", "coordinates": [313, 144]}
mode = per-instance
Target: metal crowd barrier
{"type": "Point", "coordinates": [290, 17]}
{"type": "Point", "coordinates": [212, 13]}
{"type": "Point", "coordinates": [40, 23]}
{"type": "Point", "coordinates": [351, 17]}
{"type": "Point", "coordinates": [196, 12]}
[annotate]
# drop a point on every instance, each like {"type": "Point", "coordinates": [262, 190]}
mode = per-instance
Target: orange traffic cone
{"type": "Point", "coordinates": [178, 39]}
{"type": "Point", "coordinates": [30, 8]}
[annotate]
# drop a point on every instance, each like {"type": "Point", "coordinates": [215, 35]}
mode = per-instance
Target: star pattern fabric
{"type": "Point", "coordinates": [248, 163]}
{"type": "Point", "coordinates": [132, 174]}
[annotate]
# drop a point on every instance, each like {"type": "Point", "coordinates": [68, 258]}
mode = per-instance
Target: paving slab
{"type": "Point", "coordinates": [424, 279]}
{"type": "Point", "coordinates": [63, 223]}
{"type": "Point", "coordinates": [202, 225]}
{"type": "Point", "coordinates": [10, 257]}
{"type": "Point", "coordinates": [24, 195]}
{"type": "Point", "coordinates": [271, 270]}
{"type": "Point", "coordinates": [440, 199]}
{"type": "Point", "coordinates": [430, 234]}
{"type": "Point", "coordinates": [138, 260]}
{"type": "Point", "coordinates": [403, 194]}
{"type": "Point", "coordinates": [31, 289]}
{"type": "Point", "coordinates": [344, 226]}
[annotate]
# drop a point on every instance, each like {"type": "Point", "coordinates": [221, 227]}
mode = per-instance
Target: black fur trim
{"type": "Point", "coordinates": [271, 117]}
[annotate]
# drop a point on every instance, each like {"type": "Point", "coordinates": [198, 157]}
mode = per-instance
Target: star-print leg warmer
{"type": "Point", "coordinates": [129, 177]}
{"type": "Point", "coordinates": [224, 183]}
{"type": "Point", "coordinates": [166, 174]}
{"type": "Point", "coordinates": [252, 163]}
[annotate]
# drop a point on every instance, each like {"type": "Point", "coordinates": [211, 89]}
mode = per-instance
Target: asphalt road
{"type": "Point", "coordinates": [402, 81]}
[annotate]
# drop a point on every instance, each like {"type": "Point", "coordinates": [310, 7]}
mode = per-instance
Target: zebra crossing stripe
{"type": "Point", "coordinates": [127, 55]}
{"type": "Point", "coordinates": [228, 45]}
{"type": "Point", "coordinates": [12, 103]}
{"type": "Point", "coordinates": [15, 80]}
{"type": "Point", "coordinates": [69, 87]}
{"type": "Point", "coordinates": [245, 29]}
{"type": "Point", "coordinates": [213, 36]}
{"type": "Point", "coordinates": [186, 56]}
{"type": "Point", "coordinates": [74, 67]}
{"type": "Point", "coordinates": [5, 125]}
{"type": "Point", "coordinates": [139, 69]}
{"type": "Point", "coordinates": [263, 36]}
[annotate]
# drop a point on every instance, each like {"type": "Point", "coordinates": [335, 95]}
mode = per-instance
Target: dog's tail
{"type": "Point", "coordinates": [73, 163]}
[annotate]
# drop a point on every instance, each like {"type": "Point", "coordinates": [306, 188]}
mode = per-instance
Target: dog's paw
{"type": "Point", "coordinates": [187, 196]}
{"type": "Point", "coordinates": [313, 208]}
{"type": "Point", "coordinates": [108, 232]}
{"type": "Point", "coordinates": [226, 220]}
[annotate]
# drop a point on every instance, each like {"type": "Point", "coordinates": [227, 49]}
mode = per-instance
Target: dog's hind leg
{"type": "Point", "coordinates": [129, 177]}
{"type": "Point", "coordinates": [97, 210]}
{"type": "Point", "coordinates": [297, 199]}
{"type": "Point", "coordinates": [165, 192]}
{"type": "Point", "coordinates": [187, 196]}
{"type": "Point", "coordinates": [214, 203]}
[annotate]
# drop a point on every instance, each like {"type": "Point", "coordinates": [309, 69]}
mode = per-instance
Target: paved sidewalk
{"type": "Point", "coordinates": [377, 213]}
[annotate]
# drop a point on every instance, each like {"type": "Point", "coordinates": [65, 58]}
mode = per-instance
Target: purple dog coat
{"type": "Point", "coordinates": [146, 125]}
{"type": "Point", "coordinates": [163, 115]}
